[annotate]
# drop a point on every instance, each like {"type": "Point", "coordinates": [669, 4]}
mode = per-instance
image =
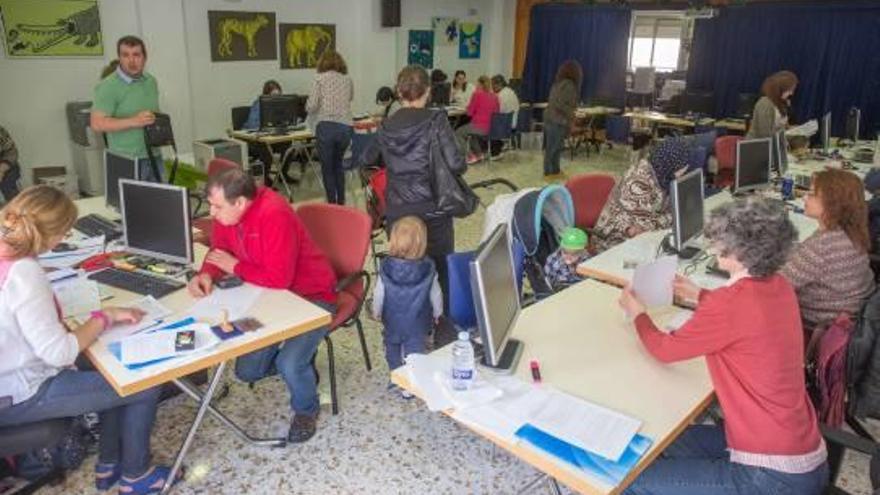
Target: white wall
{"type": "Point", "coordinates": [198, 93]}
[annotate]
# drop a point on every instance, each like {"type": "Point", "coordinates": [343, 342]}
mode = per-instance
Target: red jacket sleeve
{"type": "Point", "coordinates": [280, 250]}
{"type": "Point", "coordinates": [219, 240]}
{"type": "Point", "coordinates": [706, 332]}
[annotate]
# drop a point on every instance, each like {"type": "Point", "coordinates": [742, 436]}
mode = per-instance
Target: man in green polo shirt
{"type": "Point", "coordinates": [124, 104]}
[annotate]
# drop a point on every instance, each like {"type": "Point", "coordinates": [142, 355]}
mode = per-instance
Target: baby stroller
{"type": "Point", "coordinates": [539, 217]}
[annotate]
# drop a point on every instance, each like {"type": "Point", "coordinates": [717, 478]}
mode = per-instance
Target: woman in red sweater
{"type": "Point", "coordinates": [750, 334]}
{"type": "Point", "coordinates": [483, 104]}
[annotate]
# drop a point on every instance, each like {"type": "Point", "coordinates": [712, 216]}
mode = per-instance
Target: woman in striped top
{"type": "Point", "coordinates": [329, 108]}
{"type": "Point", "coordinates": [830, 270]}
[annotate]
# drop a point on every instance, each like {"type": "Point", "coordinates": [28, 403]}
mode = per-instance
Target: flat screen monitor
{"type": "Point", "coordinates": [826, 131]}
{"type": "Point", "coordinates": [496, 299]}
{"type": "Point", "coordinates": [701, 103]}
{"type": "Point", "coordinates": [780, 152]}
{"type": "Point", "coordinates": [155, 220]}
{"type": "Point", "coordinates": [117, 166]}
{"type": "Point", "coordinates": [753, 160]}
{"type": "Point", "coordinates": [278, 111]}
{"type": "Point", "coordinates": [687, 209]}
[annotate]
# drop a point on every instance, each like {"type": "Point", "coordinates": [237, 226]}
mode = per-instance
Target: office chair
{"type": "Point", "coordinates": [725, 153]}
{"type": "Point", "coordinates": [157, 135]}
{"type": "Point", "coordinates": [343, 235]}
{"type": "Point", "coordinates": [589, 192]}
{"type": "Point", "coordinates": [500, 129]}
{"type": "Point", "coordinates": [523, 124]}
{"type": "Point", "coordinates": [239, 117]}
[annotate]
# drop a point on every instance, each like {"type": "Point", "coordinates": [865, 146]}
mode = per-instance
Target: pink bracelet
{"type": "Point", "coordinates": [100, 315]}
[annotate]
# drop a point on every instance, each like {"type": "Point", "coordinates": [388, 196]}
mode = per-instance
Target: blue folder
{"type": "Point", "coordinates": [115, 348]}
{"type": "Point", "coordinates": [608, 471]}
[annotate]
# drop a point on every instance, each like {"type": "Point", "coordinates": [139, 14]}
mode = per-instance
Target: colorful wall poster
{"type": "Point", "coordinates": [446, 29]}
{"type": "Point", "coordinates": [303, 44]}
{"type": "Point", "coordinates": [421, 48]}
{"type": "Point", "coordinates": [470, 36]}
{"type": "Point", "coordinates": [51, 28]}
{"type": "Point", "coordinates": [237, 36]}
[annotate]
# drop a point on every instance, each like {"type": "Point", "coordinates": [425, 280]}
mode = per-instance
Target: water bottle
{"type": "Point", "coordinates": [462, 362]}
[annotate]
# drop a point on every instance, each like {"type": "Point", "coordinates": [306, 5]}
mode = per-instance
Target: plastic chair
{"type": "Point", "coordinates": [725, 153]}
{"type": "Point", "coordinates": [343, 235]}
{"type": "Point", "coordinates": [590, 193]}
{"type": "Point", "coordinates": [618, 129]}
{"type": "Point", "coordinates": [523, 125]}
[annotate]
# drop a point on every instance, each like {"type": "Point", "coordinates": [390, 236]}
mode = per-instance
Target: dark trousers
{"type": "Point", "coordinates": [9, 184]}
{"type": "Point", "coordinates": [333, 139]}
{"type": "Point", "coordinates": [412, 343]}
{"type": "Point", "coordinates": [554, 141]}
{"type": "Point", "coordinates": [126, 422]}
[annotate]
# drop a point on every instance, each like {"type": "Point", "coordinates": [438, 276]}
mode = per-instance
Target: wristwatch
{"type": "Point", "coordinates": [100, 315]}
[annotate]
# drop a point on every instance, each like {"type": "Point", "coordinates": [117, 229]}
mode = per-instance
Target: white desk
{"type": "Point", "coordinates": [608, 266]}
{"type": "Point", "coordinates": [283, 314]}
{"type": "Point", "coordinates": [588, 349]}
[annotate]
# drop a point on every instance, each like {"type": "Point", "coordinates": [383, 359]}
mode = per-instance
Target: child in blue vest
{"type": "Point", "coordinates": [407, 297]}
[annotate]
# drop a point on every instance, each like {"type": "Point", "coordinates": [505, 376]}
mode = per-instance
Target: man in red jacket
{"type": "Point", "coordinates": [258, 237]}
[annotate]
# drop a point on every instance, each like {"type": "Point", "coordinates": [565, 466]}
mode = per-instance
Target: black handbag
{"type": "Point", "coordinates": [452, 194]}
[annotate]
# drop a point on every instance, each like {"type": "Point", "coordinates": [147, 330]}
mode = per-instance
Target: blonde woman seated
{"type": "Point", "coordinates": [639, 202]}
{"type": "Point", "coordinates": [38, 379]}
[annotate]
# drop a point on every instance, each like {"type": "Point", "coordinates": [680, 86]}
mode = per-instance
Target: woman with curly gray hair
{"type": "Point", "coordinates": [750, 334]}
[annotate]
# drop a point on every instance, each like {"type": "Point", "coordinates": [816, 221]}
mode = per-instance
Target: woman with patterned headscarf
{"type": "Point", "coordinates": [640, 201]}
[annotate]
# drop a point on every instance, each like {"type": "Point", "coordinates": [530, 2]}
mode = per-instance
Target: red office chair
{"type": "Point", "coordinates": [590, 193]}
{"type": "Point", "coordinates": [725, 153]}
{"type": "Point", "coordinates": [204, 223]}
{"type": "Point", "coordinates": [343, 234]}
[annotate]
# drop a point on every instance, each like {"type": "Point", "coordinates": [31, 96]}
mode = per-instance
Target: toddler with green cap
{"type": "Point", "coordinates": [561, 266]}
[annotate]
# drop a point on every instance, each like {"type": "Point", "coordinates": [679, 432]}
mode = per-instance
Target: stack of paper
{"type": "Point", "coordinates": [83, 249]}
{"type": "Point", "coordinates": [237, 302]}
{"type": "Point", "coordinates": [77, 296]}
{"type": "Point", "coordinates": [154, 312]}
{"type": "Point", "coordinates": [160, 345]}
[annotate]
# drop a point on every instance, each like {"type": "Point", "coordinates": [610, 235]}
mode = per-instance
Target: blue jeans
{"type": "Point", "coordinates": [697, 463]}
{"type": "Point", "coordinates": [554, 141]}
{"type": "Point", "coordinates": [333, 139]}
{"type": "Point", "coordinates": [293, 359]}
{"type": "Point", "coordinates": [413, 343]}
{"type": "Point", "coordinates": [145, 169]}
{"type": "Point", "coordinates": [126, 422]}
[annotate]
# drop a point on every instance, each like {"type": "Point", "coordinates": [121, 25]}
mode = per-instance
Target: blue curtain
{"type": "Point", "coordinates": [833, 47]}
{"type": "Point", "coordinates": [597, 37]}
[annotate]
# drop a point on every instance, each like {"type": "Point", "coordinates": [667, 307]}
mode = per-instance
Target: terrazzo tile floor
{"type": "Point", "coordinates": [379, 443]}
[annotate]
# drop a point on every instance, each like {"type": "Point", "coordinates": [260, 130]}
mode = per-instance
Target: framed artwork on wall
{"type": "Point", "coordinates": [52, 28]}
{"type": "Point", "coordinates": [303, 44]}
{"type": "Point", "coordinates": [236, 36]}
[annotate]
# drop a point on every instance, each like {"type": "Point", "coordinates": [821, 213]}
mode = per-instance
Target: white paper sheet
{"type": "Point", "coordinates": [238, 301]}
{"type": "Point", "coordinates": [62, 274]}
{"type": "Point", "coordinates": [807, 129]}
{"type": "Point", "coordinates": [149, 346]}
{"type": "Point", "coordinates": [593, 428]}
{"type": "Point", "coordinates": [77, 296]}
{"type": "Point", "coordinates": [154, 312]}
{"type": "Point", "coordinates": [652, 282]}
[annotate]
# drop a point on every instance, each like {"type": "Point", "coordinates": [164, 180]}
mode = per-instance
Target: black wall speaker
{"type": "Point", "coordinates": [390, 13]}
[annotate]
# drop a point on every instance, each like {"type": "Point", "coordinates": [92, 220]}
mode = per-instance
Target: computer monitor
{"type": "Point", "coordinates": [698, 102]}
{"type": "Point", "coordinates": [687, 212]}
{"type": "Point", "coordinates": [853, 119]}
{"type": "Point", "coordinates": [117, 166]}
{"type": "Point", "coordinates": [278, 111]}
{"type": "Point", "coordinates": [825, 131]}
{"type": "Point", "coordinates": [205, 150]}
{"type": "Point", "coordinates": [155, 220]}
{"type": "Point", "coordinates": [780, 152]}
{"type": "Point", "coordinates": [496, 299]}
{"type": "Point", "coordinates": [753, 160]}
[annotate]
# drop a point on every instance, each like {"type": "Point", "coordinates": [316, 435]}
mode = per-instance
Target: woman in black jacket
{"type": "Point", "coordinates": [404, 141]}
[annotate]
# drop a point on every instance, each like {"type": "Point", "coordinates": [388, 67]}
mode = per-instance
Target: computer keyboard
{"type": "Point", "coordinates": [137, 282]}
{"type": "Point", "coordinates": [95, 225]}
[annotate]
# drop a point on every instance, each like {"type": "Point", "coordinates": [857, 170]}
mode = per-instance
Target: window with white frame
{"type": "Point", "coordinates": [655, 40]}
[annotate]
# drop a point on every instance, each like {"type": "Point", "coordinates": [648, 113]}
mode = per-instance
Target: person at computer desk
{"type": "Point", "coordinates": [483, 104]}
{"type": "Point", "coordinates": [750, 334]}
{"type": "Point", "coordinates": [830, 270]}
{"type": "Point", "coordinates": [257, 236]}
{"type": "Point", "coordinates": [462, 91]}
{"type": "Point", "coordinates": [329, 105]}
{"type": "Point", "coordinates": [270, 88]}
{"type": "Point", "coordinates": [125, 102]}
{"type": "Point", "coordinates": [639, 201]}
{"type": "Point", "coordinates": [10, 171]}
{"type": "Point", "coordinates": [772, 110]}
{"type": "Point", "coordinates": [38, 380]}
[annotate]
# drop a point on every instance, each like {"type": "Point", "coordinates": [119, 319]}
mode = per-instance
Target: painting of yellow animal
{"type": "Point", "coordinates": [303, 44]}
{"type": "Point", "coordinates": [237, 36]}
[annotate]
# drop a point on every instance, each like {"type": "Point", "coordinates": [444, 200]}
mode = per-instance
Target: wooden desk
{"type": "Point", "coordinates": [731, 125]}
{"type": "Point", "coordinates": [608, 266]}
{"type": "Point", "coordinates": [283, 314]}
{"type": "Point", "coordinates": [584, 112]}
{"type": "Point", "coordinates": [588, 349]}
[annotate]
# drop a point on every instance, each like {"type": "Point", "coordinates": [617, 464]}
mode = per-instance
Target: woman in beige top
{"type": "Point", "coordinates": [329, 108]}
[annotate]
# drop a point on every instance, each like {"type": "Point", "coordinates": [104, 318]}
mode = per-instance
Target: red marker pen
{"type": "Point", "coordinates": [536, 371]}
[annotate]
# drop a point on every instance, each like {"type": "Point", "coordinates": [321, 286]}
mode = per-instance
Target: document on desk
{"type": "Point", "coordinates": [158, 345]}
{"type": "Point", "coordinates": [154, 312]}
{"type": "Point", "coordinates": [237, 301]}
{"type": "Point", "coordinates": [77, 296]}
{"type": "Point", "coordinates": [652, 281]}
{"type": "Point", "coordinates": [806, 130]}
{"type": "Point", "coordinates": [585, 425]}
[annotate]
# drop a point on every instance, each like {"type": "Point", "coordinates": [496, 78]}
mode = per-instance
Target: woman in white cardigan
{"type": "Point", "coordinates": [38, 379]}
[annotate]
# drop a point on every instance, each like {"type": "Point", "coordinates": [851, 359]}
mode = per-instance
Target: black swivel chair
{"type": "Point", "coordinates": [22, 439]}
{"type": "Point", "coordinates": [239, 117]}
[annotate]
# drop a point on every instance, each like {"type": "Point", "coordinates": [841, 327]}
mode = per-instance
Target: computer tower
{"type": "Point", "coordinates": [86, 148]}
{"type": "Point", "coordinates": [233, 150]}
